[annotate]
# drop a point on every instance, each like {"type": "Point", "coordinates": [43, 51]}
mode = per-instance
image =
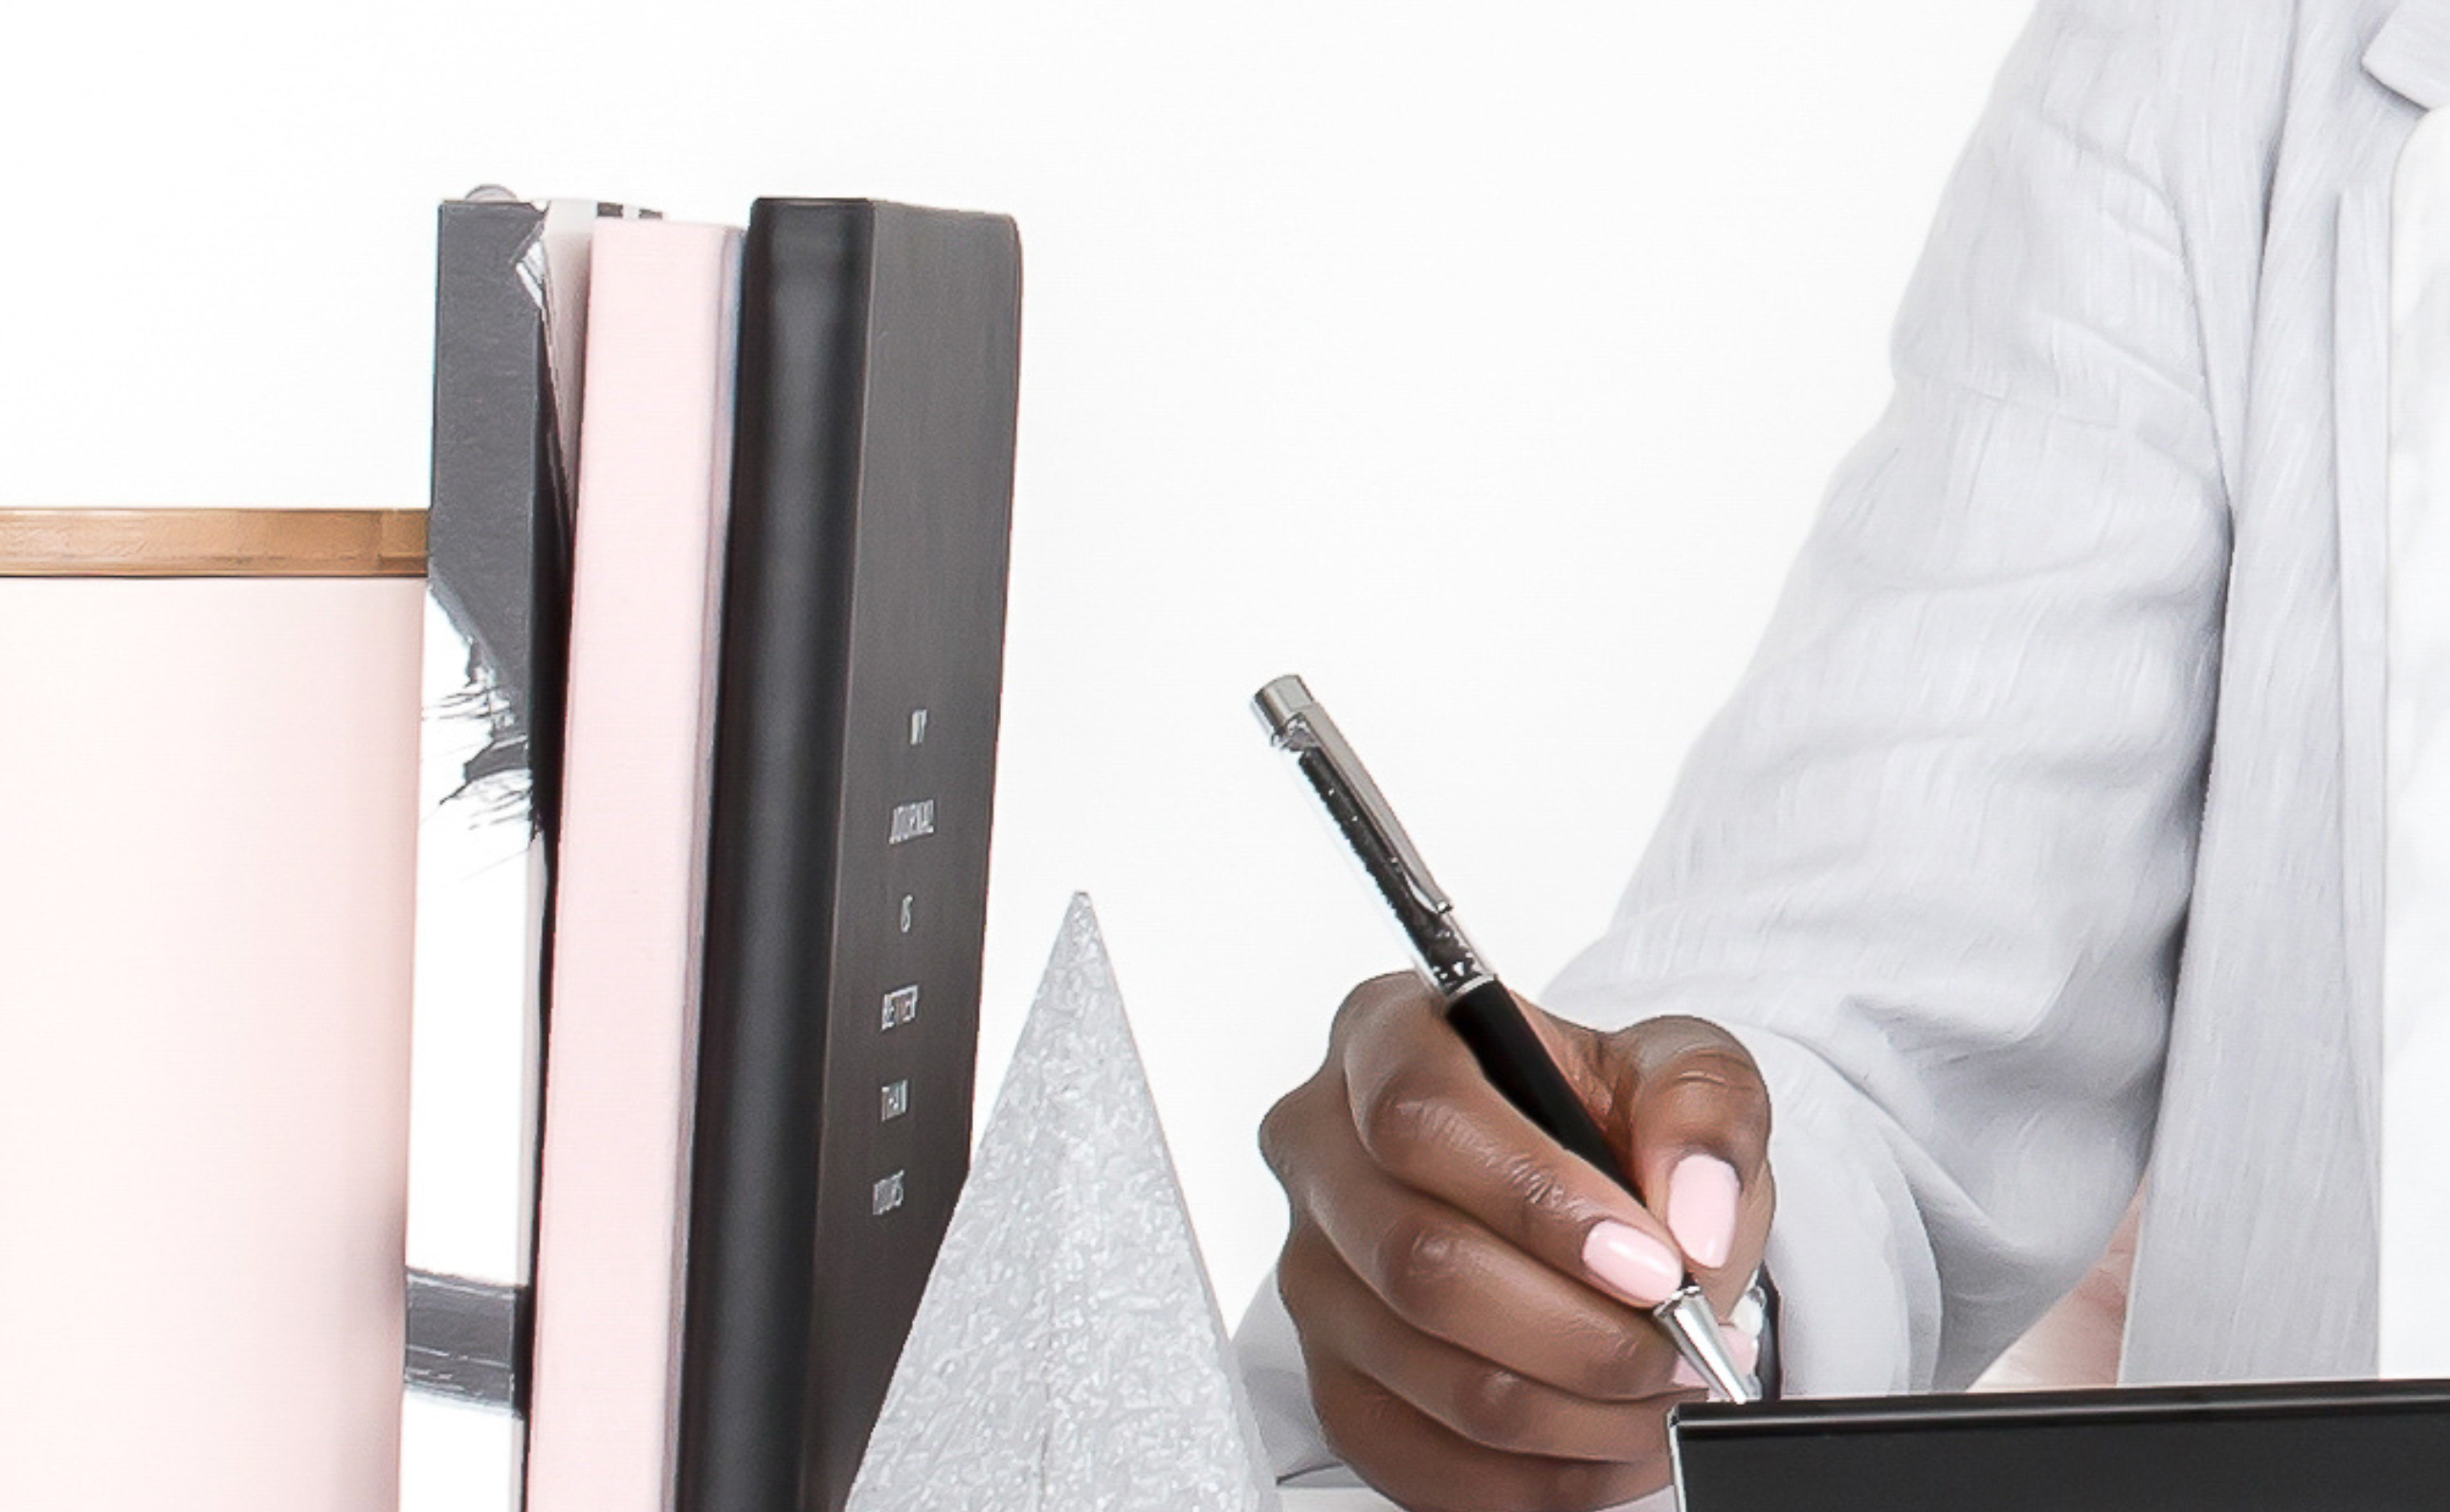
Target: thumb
{"type": "Point", "coordinates": [1693, 1115]}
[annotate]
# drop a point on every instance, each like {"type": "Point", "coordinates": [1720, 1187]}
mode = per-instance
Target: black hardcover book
{"type": "Point", "coordinates": [2360, 1446]}
{"type": "Point", "coordinates": [860, 678]}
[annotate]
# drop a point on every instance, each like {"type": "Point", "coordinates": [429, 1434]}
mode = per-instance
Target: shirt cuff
{"type": "Point", "coordinates": [1856, 1285]}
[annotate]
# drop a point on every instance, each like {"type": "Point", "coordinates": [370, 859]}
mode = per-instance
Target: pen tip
{"type": "Point", "coordinates": [1694, 1328]}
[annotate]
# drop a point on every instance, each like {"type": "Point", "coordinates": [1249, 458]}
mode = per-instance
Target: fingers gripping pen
{"type": "Point", "coordinates": [1482, 1012]}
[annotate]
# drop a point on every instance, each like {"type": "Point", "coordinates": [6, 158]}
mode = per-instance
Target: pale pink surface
{"type": "Point", "coordinates": [204, 914]}
{"type": "Point", "coordinates": [1631, 1264]}
{"type": "Point", "coordinates": [1703, 1192]}
{"type": "Point", "coordinates": [2077, 1343]}
{"type": "Point", "coordinates": [653, 490]}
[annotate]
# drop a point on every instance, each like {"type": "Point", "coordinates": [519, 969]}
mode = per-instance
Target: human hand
{"type": "Point", "coordinates": [1472, 1300]}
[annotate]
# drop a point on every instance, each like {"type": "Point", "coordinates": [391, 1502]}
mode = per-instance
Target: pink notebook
{"type": "Point", "coordinates": [621, 1066]}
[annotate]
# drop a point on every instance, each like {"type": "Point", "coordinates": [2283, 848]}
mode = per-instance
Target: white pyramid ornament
{"type": "Point", "coordinates": [1068, 1355]}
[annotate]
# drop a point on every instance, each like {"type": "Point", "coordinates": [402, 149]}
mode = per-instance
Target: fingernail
{"type": "Point", "coordinates": [1687, 1376]}
{"type": "Point", "coordinates": [1702, 1194]}
{"type": "Point", "coordinates": [1632, 1264]}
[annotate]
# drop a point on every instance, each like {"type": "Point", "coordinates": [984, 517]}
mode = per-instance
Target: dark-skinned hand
{"type": "Point", "coordinates": [1472, 1300]}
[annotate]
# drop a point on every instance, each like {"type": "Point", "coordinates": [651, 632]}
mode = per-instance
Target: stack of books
{"type": "Point", "coordinates": [718, 546]}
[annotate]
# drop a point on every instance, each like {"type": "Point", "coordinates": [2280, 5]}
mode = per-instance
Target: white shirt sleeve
{"type": "Point", "coordinates": [1931, 863]}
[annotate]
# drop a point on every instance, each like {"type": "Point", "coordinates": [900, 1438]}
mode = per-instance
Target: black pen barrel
{"type": "Point", "coordinates": [1518, 1064]}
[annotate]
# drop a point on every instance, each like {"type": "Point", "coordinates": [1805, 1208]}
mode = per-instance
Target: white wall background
{"type": "Point", "coordinates": [1480, 361]}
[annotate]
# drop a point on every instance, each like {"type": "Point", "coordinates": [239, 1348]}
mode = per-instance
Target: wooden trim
{"type": "Point", "coordinates": [211, 542]}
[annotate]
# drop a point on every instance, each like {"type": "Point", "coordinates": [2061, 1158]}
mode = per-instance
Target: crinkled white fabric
{"type": "Point", "coordinates": [2046, 832]}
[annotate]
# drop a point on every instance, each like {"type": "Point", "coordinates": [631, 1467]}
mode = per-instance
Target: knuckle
{"type": "Point", "coordinates": [1720, 1084]}
{"type": "Point", "coordinates": [1499, 1408]}
{"type": "Point", "coordinates": [1278, 1139]}
{"type": "Point", "coordinates": [1291, 1130]}
{"type": "Point", "coordinates": [1420, 1265]}
{"type": "Point", "coordinates": [1402, 1120]}
{"type": "Point", "coordinates": [1724, 1069]}
{"type": "Point", "coordinates": [1574, 1488]}
{"type": "Point", "coordinates": [1368, 999]}
{"type": "Point", "coordinates": [1539, 1193]}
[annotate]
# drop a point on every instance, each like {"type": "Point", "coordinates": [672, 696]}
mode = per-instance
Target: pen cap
{"type": "Point", "coordinates": [205, 913]}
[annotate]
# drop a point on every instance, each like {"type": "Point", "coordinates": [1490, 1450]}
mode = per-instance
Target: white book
{"type": "Point", "coordinates": [509, 311]}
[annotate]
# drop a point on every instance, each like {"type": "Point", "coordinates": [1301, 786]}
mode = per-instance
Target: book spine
{"type": "Point", "coordinates": [489, 767]}
{"type": "Point", "coordinates": [620, 1082]}
{"type": "Point", "coordinates": [778, 751]}
{"type": "Point", "coordinates": [478, 1018]}
{"type": "Point", "coordinates": [855, 769]}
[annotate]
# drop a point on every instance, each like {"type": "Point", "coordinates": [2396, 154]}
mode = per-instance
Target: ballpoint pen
{"type": "Point", "coordinates": [1479, 1007]}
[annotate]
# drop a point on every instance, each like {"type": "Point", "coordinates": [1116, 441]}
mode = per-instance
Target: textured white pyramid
{"type": "Point", "coordinates": [1068, 1355]}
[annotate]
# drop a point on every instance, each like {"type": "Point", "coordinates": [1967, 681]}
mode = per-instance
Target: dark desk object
{"type": "Point", "coordinates": [855, 768]}
{"type": "Point", "coordinates": [2360, 1446]}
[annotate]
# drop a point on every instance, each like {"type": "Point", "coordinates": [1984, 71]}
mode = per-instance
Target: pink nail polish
{"type": "Point", "coordinates": [1632, 1264]}
{"type": "Point", "coordinates": [1685, 1375]}
{"type": "Point", "coordinates": [1702, 1195]}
